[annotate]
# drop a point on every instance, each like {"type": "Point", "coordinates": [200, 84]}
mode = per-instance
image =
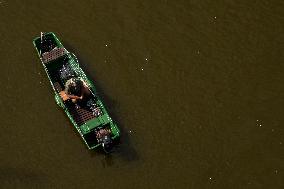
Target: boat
{"type": "Point", "coordinates": [91, 119]}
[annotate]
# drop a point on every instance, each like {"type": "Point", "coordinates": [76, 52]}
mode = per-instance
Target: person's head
{"type": "Point", "coordinates": [73, 86]}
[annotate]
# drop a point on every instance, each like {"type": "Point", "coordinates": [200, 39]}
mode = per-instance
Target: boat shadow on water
{"type": "Point", "coordinates": [123, 147]}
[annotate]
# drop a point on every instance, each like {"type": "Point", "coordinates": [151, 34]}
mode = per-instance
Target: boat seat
{"type": "Point", "coordinates": [80, 114]}
{"type": "Point", "coordinates": [53, 54]}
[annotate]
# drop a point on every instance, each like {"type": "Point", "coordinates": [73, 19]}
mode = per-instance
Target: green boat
{"type": "Point", "coordinates": [89, 116]}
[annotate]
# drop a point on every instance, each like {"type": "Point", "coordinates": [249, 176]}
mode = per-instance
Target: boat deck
{"type": "Point", "coordinates": [80, 114]}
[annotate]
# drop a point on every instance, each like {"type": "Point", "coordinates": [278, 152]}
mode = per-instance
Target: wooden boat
{"type": "Point", "coordinates": [90, 118]}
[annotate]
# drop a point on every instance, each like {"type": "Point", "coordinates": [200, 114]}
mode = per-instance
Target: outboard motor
{"type": "Point", "coordinates": [104, 138]}
{"type": "Point", "coordinates": [107, 143]}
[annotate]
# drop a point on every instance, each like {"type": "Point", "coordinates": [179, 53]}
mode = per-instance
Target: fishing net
{"type": "Point", "coordinates": [66, 73]}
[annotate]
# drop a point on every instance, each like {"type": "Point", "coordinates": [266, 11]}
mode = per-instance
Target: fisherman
{"type": "Point", "coordinates": [75, 89]}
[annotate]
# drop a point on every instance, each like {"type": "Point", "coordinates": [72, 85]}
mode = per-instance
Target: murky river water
{"type": "Point", "coordinates": [196, 87]}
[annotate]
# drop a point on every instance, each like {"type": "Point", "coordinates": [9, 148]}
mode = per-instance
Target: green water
{"type": "Point", "coordinates": [196, 87]}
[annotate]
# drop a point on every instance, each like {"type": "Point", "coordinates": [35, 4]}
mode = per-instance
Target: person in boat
{"type": "Point", "coordinates": [75, 89]}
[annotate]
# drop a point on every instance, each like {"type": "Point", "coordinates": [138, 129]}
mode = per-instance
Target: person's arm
{"type": "Point", "coordinates": [74, 97]}
{"type": "Point", "coordinates": [65, 96]}
{"type": "Point", "coordinates": [85, 90]}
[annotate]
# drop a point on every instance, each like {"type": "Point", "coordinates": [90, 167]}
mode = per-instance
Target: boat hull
{"type": "Point", "coordinates": [86, 120]}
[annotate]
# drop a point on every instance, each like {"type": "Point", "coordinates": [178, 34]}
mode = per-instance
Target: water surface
{"type": "Point", "coordinates": [196, 87]}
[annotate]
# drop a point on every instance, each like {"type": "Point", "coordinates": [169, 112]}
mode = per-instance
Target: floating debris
{"type": "Point", "coordinates": [258, 123]}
